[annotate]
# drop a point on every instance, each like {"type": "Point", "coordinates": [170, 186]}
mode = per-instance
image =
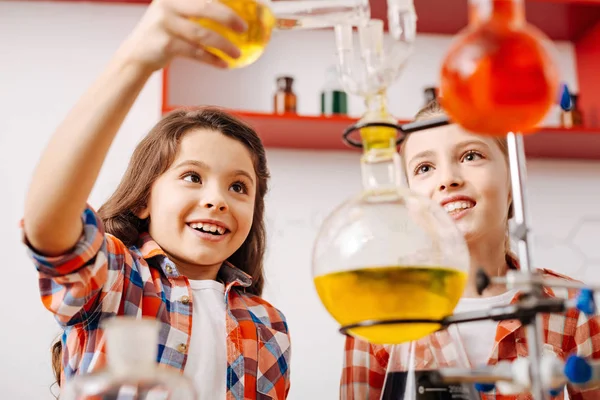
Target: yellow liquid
{"type": "Point", "coordinates": [251, 43]}
{"type": "Point", "coordinates": [386, 293]}
{"type": "Point", "coordinates": [378, 138]}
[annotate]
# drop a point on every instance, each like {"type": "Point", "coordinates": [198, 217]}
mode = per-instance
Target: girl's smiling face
{"type": "Point", "coordinates": [466, 173]}
{"type": "Point", "coordinates": [201, 208]}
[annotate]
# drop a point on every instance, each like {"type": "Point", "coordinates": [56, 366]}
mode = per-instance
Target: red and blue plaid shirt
{"type": "Point", "coordinates": [101, 278]}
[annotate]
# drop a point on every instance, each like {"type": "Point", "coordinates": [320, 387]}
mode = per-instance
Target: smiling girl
{"type": "Point", "coordinates": [469, 176]}
{"type": "Point", "coordinates": [182, 238]}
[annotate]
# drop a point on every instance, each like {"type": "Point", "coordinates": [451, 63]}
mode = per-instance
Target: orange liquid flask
{"type": "Point", "coordinates": [498, 75]}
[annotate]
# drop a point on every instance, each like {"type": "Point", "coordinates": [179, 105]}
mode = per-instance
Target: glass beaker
{"type": "Point", "coordinates": [412, 369]}
{"type": "Point", "coordinates": [131, 371]}
{"type": "Point", "coordinates": [262, 16]}
{"type": "Point", "coordinates": [499, 75]}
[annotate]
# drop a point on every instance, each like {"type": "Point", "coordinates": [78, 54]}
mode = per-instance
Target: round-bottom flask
{"type": "Point", "coordinates": [389, 264]}
{"type": "Point", "coordinates": [498, 75]}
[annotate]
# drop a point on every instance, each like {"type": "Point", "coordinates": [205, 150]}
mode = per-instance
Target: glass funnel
{"type": "Point", "coordinates": [262, 16]}
{"type": "Point", "coordinates": [371, 60]}
{"type": "Point", "coordinates": [131, 371]}
{"type": "Point", "coordinates": [388, 264]}
{"type": "Point", "coordinates": [499, 75]}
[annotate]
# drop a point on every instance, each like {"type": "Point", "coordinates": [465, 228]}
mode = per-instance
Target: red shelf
{"type": "Point", "coordinates": [577, 143]}
{"type": "Point", "coordinates": [292, 131]}
{"type": "Point", "coordinates": [325, 133]}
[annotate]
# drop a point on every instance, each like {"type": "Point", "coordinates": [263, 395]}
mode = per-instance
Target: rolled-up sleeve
{"type": "Point", "coordinates": [73, 285]}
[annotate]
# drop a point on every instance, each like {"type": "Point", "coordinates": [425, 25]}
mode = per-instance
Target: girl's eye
{"type": "Point", "coordinates": [239, 187]}
{"type": "Point", "coordinates": [422, 169]}
{"type": "Point", "coordinates": [192, 177]}
{"type": "Point", "coordinates": [472, 156]}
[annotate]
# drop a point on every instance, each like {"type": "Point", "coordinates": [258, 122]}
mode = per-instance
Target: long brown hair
{"type": "Point", "coordinates": [151, 158]}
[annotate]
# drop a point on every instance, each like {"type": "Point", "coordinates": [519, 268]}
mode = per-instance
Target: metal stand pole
{"type": "Point", "coordinates": [521, 233]}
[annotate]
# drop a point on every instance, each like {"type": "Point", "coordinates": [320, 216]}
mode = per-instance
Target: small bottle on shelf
{"type": "Point", "coordinates": [576, 113]}
{"type": "Point", "coordinates": [284, 100]}
{"type": "Point", "coordinates": [574, 116]}
{"type": "Point", "coordinates": [334, 101]}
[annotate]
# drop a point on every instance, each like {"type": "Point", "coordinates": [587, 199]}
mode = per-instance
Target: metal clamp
{"type": "Point", "coordinates": [403, 129]}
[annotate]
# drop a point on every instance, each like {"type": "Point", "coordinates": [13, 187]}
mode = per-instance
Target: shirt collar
{"type": "Point", "coordinates": [513, 263]}
{"type": "Point", "coordinates": [228, 273]}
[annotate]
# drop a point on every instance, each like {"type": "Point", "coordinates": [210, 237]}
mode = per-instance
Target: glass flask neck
{"type": "Point", "coordinates": [378, 137]}
{"type": "Point", "coordinates": [376, 104]}
{"type": "Point", "coordinates": [381, 169]}
{"type": "Point", "coordinates": [504, 13]}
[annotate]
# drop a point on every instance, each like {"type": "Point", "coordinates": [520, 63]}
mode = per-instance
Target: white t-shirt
{"type": "Point", "coordinates": [478, 337]}
{"type": "Point", "coordinates": [207, 356]}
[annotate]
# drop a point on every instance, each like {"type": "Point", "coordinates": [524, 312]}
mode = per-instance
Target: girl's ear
{"type": "Point", "coordinates": [143, 213]}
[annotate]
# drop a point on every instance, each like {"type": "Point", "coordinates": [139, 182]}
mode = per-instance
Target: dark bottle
{"type": "Point", "coordinates": [334, 100]}
{"type": "Point", "coordinates": [574, 116]}
{"type": "Point", "coordinates": [284, 100]}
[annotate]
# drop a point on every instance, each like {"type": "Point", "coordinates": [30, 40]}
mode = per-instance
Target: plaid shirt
{"type": "Point", "coordinates": [572, 332]}
{"type": "Point", "coordinates": [101, 278]}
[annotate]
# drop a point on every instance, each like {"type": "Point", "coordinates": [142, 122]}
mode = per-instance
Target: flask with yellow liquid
{"type": "Point", "coordinates": [263, 16]}
{"type": "Point", "coordinates": [388, 264]}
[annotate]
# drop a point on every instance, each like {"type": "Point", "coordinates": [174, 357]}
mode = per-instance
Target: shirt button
{"type": "Point", "coordinates": [182, 348]}
{"type": "Point", "coordinates": [169, 268]}
{"type": "Point", "coordinates": [185, 300]}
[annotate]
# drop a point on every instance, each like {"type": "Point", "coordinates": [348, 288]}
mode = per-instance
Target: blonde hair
{"type": "Point", "coordinates": [434, 109]}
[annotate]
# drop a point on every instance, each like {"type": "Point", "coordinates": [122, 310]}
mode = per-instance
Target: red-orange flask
{"type": "Point", "coordinates": [498, 75]}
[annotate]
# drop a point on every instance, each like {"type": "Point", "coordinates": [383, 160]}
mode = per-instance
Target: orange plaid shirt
{"type": "Point", "coordinates": [365, 364]}
{"type": "Point", "coordinates": [101, 277]}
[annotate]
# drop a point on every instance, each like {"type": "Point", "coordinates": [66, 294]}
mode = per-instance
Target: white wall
{"type": "Point", "coordinates": [54, 52]}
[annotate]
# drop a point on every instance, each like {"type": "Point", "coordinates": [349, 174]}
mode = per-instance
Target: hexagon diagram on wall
{"type": "Point", "coordinates": [576, 254]}
{"type": "Point", "coordinates": [585, 235]}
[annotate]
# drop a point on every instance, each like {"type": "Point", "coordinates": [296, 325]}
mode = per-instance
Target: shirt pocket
{"type": "Point", "coordinates": [273, 370]}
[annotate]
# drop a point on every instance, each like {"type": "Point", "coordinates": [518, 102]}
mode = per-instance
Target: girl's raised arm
{"type": "Point", "coordinates": [69, 166]}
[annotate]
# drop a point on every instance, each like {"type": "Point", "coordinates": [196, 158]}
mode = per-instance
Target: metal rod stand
{"type": "Point", "coordinates": [521, 233]}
